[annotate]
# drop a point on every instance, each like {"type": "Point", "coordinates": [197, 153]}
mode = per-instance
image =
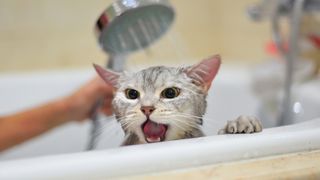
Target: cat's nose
{"type": "Point", "coordinates": [147, 110]}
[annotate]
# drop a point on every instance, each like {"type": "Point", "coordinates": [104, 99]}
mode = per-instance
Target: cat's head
{"type": "Point", "coordinates": [162, 103]}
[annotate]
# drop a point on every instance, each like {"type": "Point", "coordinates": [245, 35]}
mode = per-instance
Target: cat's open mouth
{"type": "Point", "coordinates": [154, 132]}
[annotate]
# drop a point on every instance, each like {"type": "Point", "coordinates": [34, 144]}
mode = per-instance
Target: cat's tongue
{"type": "Point", "coordinates": [154, 132]}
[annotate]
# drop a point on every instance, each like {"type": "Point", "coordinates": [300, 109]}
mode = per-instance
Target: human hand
{"type": "Point", "coordinates": [82, 102]}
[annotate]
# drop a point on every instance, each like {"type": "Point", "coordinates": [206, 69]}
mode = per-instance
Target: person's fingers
{"type": "Point", "coordinates": [87, 97]}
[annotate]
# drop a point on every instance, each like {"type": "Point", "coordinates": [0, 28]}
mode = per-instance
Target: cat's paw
{"type": "Point", "coordinates": [243, 124]}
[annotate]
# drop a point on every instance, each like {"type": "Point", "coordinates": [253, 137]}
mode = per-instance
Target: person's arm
{"type": "Point", "coordinates": [17, 128]}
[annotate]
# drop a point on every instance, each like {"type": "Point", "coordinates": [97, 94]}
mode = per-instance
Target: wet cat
{"type": "Point", "coordinates": [167, 103]}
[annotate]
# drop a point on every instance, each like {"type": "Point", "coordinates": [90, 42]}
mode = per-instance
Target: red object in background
{"type": "Point", "coordinates": [272, 49]}
{"type": "Point", "coordinates": [315, 39]}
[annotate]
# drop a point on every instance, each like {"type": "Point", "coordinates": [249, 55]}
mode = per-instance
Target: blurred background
{"type": "Point", "coordinates": [37, 35]}
{"type": "Point", "coordinates": [58, 36]}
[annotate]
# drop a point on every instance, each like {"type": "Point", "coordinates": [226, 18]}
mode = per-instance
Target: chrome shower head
{"type": "Point", "coordinates": [130, 25]}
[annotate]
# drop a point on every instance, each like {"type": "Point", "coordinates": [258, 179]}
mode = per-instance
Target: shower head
{"type": "Point", "coordinates": [130, 25]}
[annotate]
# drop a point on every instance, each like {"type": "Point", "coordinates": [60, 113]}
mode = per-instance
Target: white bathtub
{"type": "Point", "coordinates": [229, 97]}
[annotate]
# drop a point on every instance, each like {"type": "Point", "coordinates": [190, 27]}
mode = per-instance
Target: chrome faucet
{"type": "Point", "coordinates": [293, 10]}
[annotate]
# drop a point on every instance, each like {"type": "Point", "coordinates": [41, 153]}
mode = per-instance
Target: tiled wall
{"type": "Point", "coordinates": [47, 34]}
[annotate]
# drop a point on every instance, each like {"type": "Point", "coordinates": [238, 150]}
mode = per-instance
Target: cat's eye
{"type": "Point", "coordinates": [132, 94]}
{"type": "Point", "coordinates": [170, 93]}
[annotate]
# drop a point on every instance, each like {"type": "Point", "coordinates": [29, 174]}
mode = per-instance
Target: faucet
{"type": "Point", "coordinates": [293, 10]}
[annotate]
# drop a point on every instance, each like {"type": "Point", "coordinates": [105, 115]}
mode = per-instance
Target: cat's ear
{"type": "Point", "coordinates": [110, 77]}
{"type": "Point", "coordinates": [204, 72]}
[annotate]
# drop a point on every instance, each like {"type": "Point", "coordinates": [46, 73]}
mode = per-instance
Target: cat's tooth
{"type": "Point", "coordinates": [154, 139]}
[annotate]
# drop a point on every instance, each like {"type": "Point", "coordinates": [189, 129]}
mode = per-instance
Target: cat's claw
{"type": "Point", "coordinates": [243, 124]}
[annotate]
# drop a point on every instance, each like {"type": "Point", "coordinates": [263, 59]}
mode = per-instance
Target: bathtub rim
{"type": "Point", "coordinates": [125, 161]}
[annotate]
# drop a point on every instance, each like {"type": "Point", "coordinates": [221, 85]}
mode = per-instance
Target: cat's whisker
{"type": "Point", "coordinates": [203, 117]}
{"type": "Point", "coordinates": [119, 117]}
{"type": "Point", "coordinates": [131, 112]}
{"type": "Point", "coordinates": [191, 118]}
{"type": "Point", "coordinates": [111, 130]}
{"type": "Point", "coordinates": [206, 120]}
{"type": "Point", "coordinates": [178, 126]}
{"type": "Point", "coordinates": [195, 121]}
{"type": "Point", "coordinates": [125, 121]}
{"type": "Point", "coordinates": [127, 116]}
{"type": "Point", "coordinates": [189, 115]}
{"type": "Point", "coordinates": [188, 124]}
{"type": "Point", "coordinates": [128, 125]}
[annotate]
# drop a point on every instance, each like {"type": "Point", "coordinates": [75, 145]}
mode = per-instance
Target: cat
{"type": "Point", "coordinates": [167, 103]}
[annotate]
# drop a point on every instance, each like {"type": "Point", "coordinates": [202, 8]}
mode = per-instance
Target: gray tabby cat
{"type": "Point", "coordinates": [167, 103]}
